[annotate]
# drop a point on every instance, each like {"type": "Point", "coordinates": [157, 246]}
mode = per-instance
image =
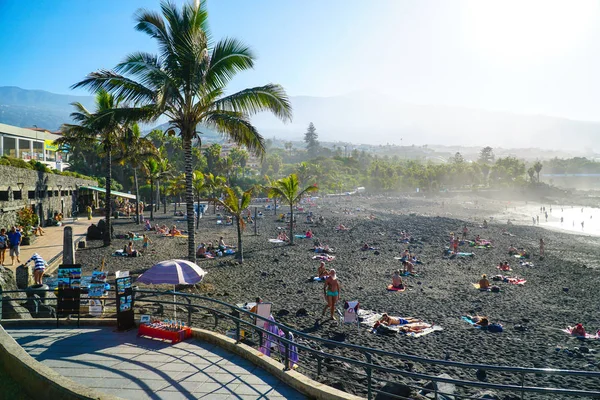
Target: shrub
{"type": "Point", "coordinates": [27, 218]}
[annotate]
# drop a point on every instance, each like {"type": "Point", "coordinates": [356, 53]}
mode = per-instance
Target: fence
{"type": "Point", "coordinates": [361, 370]}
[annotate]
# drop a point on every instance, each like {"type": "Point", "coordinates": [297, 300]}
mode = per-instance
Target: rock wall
{"type": "Point", "coordinates": [47, 193]}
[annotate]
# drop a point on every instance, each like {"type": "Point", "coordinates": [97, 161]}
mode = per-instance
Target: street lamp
{"type": "Point", "coordinates": [62, 208]}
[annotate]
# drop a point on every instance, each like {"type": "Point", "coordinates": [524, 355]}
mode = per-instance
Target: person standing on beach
{"type": "Point", "coordinates": [331, 290]}
{"type": "Point", "coordinates": [537, 218]}
{"type": "Point", "coordinates": [14, 238]}
{"type": "Point", "coordinates": [465, 231]}
{"type": "Point", "coordinates": [542, 245]}
{"type": "Point", "coordinates": [533, 219]}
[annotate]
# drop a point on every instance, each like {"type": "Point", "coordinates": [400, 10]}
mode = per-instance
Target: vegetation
{"type": "Point", "coordinates": [186, 83]}
{"type": "Point", "coordinates": [236, 205]}
{"type": "Point", "coordinates": [27, 218]}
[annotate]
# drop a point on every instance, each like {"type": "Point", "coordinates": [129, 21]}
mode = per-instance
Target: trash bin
{"type": "Point", "coordinates": [40, 290]}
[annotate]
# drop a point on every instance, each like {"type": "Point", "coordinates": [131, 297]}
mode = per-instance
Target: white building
{"type": "Point", "coordinates": [32, 144]}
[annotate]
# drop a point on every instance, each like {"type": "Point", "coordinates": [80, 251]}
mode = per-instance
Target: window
{"type": "Point", "coordinates": [24, 150]}
{"type": "Point", "coordinates": [3, 195]}
{"type": "Point", "coordinates": [17, 195]}
{"type": "Point", "coordinates": [38, 151]}
{"type": "Point", "coordinates": [10, 146]}
{"type": "Point", "coordinates": [31, 194]}
{"type": "Point", "coordinates": [50, 155]}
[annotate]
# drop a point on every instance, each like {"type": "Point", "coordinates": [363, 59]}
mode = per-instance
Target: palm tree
{"type": "Point", "coordinates": [288, 190]}
{"type": "Point", "coordinates": [531, 173]}
{"type": "Point", "coordinates": [214, 184]}
{"type": "Point", "coordinates": [236, 206]}
{"type": "Point", "coordinates": [537, 167]}
{"type": "Point", "coordinates": [156, 170]}
{"type": "Point", "coordinates": [90, 128]}
{"type": "Point", "coordinates": [134, 151]}
{"type": "Point", "coordinates": [199, 185]}
{"type": "Point", "coordinates": [187, 83]}
{"type": "Point", "coordinates": [175, 187]}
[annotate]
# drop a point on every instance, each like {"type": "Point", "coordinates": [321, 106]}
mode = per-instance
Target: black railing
{"type": "Point", "coordinates": [372, 368]}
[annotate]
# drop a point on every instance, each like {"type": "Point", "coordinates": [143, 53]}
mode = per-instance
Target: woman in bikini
{"type": "Point", "coordinates": [331, 290]}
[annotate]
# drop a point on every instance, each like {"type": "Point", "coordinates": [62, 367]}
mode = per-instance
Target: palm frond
{"type": "Point", "coordinates": [237, 127]}
{"type": "Point", "coordinates": [254, 100]}
{"type": "Point", "coordinates": [120, 86]}
{"type": "Point", "coordinates": [228, 57]}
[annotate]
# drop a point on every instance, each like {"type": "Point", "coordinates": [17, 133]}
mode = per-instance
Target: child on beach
{"type": "Point", "coordinates": [331, 290]}
{"type": "Point", "coordinates": [146, 241]}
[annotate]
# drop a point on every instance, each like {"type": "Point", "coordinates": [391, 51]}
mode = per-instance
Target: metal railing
{"type": "Point", "coordinates": [361, 370]}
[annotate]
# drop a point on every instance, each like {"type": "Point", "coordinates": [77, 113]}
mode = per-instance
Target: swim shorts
{"type": "Point", "coordinates": [15, 251]}
{"type": "Point", "coordinates": [332, 294]}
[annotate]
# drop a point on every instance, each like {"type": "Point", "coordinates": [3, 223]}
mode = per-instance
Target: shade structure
{"type": "Point", "coordinates": [173, 272]}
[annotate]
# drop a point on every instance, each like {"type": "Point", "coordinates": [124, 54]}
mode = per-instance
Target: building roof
{"type": "Point", "coordinates": [29, 133]}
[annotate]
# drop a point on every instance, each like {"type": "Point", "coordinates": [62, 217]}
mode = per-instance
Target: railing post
{"type": "Point", "coordinates": [522, 385]}
{"type": "Point", "coordinates": [435, 390]}
{"type": "Point", "coordinates": [286, 347]}
{"type": "Point", "coordinates": [189, 321]}
{"type": "Point", "coordinates": [369, 376]}
{"type": "Point", "coordinates": [1, 303]}
{"type": "Point", "coordinates": [237, 330]}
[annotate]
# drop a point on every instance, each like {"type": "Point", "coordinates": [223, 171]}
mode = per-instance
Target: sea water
{"type": "Point", "coordinates": [572, 218]}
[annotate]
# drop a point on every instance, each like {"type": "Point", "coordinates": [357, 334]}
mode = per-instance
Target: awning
{"type": "Point", "coordinates": [112, 192]}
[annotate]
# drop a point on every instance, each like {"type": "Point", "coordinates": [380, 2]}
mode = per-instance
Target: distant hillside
{"type": "Point", "coordinates": [363, 117]}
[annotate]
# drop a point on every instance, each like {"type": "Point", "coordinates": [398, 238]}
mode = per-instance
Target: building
{"type": "Point", "coordinates": [32, 144]}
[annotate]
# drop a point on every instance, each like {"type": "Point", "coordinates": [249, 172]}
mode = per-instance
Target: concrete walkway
{"type": "Point", "coordinates": [137, 368]}
{"type": "Point", "coordinates": [51, 244]}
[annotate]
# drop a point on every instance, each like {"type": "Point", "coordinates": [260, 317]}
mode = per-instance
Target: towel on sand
{"type": "Point", "coordinates": [391, 288]}
{"type": "Point", "coordinates": [276, 241]}
{"type": "Point", "coordinates": [324, 257]}
{"type": "Point", "coordinates": [569, 330]}
{"type": "Point", "coordinates": [368, 318]}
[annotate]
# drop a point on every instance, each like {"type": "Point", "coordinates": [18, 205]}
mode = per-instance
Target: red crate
{"type": "Point", "coordinates": [163, 334]}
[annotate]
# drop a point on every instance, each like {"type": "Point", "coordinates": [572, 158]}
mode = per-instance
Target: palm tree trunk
{"type": "Point", "coordinates": [198, 213]}
{"type": "Point", "coordinates": [137, 196]}
{"type": "Point", "coordinates": [164, 199]}
{"type": "Point", "coordinates": [291, 222]}
{"type": "Point", "coordinates": [151, 199]}
{"type": "Point", "coordinates": [189, 194]}
{"type": "Point", "coordinates": [107, 208]}
{"type": "Point", "coordinates": [240, 253]}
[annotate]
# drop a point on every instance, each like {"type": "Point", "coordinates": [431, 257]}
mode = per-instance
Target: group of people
{"type": "Point", "coordinates": [10, 240]}
{"type": "Point", "coordinates": [207, 250]}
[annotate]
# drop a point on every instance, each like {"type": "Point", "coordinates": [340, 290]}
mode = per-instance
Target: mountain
{"type": "Point", "coordinates": [361, 117]}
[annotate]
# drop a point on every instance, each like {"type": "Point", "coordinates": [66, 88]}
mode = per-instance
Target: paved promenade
{"type": "Point", "coordinates": [137, 368]}
{"type": "Point", "coordinates": [51, 244]}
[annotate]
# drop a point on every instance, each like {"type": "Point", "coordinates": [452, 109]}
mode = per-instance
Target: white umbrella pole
{"type": "Point", "coordinates": [174, 305]}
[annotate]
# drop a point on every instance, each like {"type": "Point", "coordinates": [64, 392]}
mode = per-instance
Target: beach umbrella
{"type": "Point", "coordinates": [172, 272]}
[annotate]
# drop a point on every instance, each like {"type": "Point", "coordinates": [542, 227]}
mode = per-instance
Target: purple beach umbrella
{"type": "Point", "coordinates": [172, 272]}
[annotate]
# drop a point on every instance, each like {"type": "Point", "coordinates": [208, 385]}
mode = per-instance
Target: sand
{"type": "Point", "coordinates": [561, 289]}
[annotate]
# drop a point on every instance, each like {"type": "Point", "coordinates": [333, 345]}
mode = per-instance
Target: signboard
{"type": "Point", "coordinates": [49, 145]}
{"type": "Point", "coordinates": [125, 315]}
{"type": "Point", "coordinates": [69, 276]}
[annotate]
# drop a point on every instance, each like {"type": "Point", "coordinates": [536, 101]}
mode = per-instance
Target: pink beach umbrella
{"type": "Point", "coordinates": [172, 272]}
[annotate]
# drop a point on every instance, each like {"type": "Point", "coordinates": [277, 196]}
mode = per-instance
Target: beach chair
{"type": "Point", "coordinates": [350, 314]}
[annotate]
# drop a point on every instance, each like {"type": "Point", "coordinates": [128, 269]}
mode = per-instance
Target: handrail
{"type": "Point", "coordinates": [146, 295]}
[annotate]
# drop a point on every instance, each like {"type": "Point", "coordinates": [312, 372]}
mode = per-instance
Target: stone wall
{"type": "Point", "coordinates": [40, 190]}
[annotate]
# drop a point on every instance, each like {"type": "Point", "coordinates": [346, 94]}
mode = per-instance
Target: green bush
{"type": "Point", "coordinates": [16, 162]}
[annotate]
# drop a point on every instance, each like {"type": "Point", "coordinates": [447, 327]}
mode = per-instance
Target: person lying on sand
{"type": "Point", "coordinates": [174, 231]}
{"type": "Point", "coordinates": [512, 250]}
{"type": "Point", "coordinates": [387, 320]}
{"type": "Point", "coordinates": [331, 290]}
{"type": "Point", "coordinates": [578, 330]}
{"type": "Point", "coordinates": [283, 236]}
{"type": "Point", "coordinates": [478, 320]}
{"type": "Point", "coordinates": [341, 227]}
{"type": "Point", "coordinates": [397, 280]}
{"type": "Point", "coordinates": [414, 327]}
{"type": "Point", "coordinates": [322, 271]}
{"type": "Point", "coordinates": [308, 234]}
{"type": "Point", "coordinates": [408, 267]}
{"type": "Point", "coordinates": [484, 283]}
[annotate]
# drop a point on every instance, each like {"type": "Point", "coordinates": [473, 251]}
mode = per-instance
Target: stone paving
{"type": "Point", "coordinates": [124, 365]}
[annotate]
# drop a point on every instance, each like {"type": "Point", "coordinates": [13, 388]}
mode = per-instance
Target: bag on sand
{"type": "Point", "coordinates": [495, 328]}
{"type": "Point", "coordinates": [495, 289]}
{"type": "Point", "coordinates": [385, 330]}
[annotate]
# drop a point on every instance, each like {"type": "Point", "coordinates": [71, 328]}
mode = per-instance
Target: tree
{"type": "Point", "coordinates": [236, 205]}
{"type": "Point", "coordinates": [486, 155]}
{"type": "Point", "coordinates": [239, 157]}
{"type": "Point", "coordinates": [457, 159]}
{"type": "Point", "coordinates": [199, 185]}
{"type": "Point", "coordinates": [537, 166]}
{"type": "Point", "coordinates": [214, 184]}
{"type": "Point", "coordinates": [531, 173]}
{"type": "Point", "coordinates": [212, 154]}
{"type": "Point", "coordinates": [187, 84]}
{"type": "Point", "coordinates": [90, 128]}
{"type": "Point", "coordinates": [288, 190]}
{"type": "Point", "coordinates": [288, 146]}
{"type": "Point", "coordinates": [310, 137]}
{"type": "Point", "coordinates": [156, 171]}
{"type": "Point", "coordinates": [134, 151]}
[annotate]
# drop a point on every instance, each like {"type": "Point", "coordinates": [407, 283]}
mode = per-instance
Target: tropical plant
{"type": "Point", "coordinates": [199, 186]}
{"type": "Point", "coordinates": [134, 151]}
{"type": "Point", "coordinates": [214, 184]}
{"type": "Point", "coordinates": [89, 128]}
{"type": "Point", "coordinates": [288, 190]}
{"type": "Point", "coordinates": [187, 82]}
{"type": "Point", "coordinates": [236, 205]}
{"type": "Point", "coordinates": [531, 173]}
{"type": "Point", "coordinates": [156, 170]}
{"type": "Point", "coordinates": [537, 166]}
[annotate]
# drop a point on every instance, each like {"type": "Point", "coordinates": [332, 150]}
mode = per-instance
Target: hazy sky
{"type": "Point", "coordinates": [525, 56]}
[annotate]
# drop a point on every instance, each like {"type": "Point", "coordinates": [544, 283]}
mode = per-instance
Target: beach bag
{"type": "Point", "coordinates": [495, 328]}
{"type": "Point", "coordinates": [495, 289]}
{"type": "Point", "coordinates": [385, 330]}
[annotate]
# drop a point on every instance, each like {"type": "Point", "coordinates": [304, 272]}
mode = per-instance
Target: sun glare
{"type": "Point", "coordinates": [517, 32]}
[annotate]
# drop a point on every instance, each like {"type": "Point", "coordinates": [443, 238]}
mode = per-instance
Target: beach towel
{"type": "Point", "coordinates": [514, 281]}
{"type": "Point", "coordinates": [470, 322]}
{"type": "Point", "coordinates": [494, 328]}
{"type": "Point", "coordinates": [301, 237]}
{"type": "Point", "coordinates": [503, 269]}
{"type": "Point", "coordinates": [391, 288]}
{"type": "Point", "coordinates": [520, 257]}
{"type": "Point", "coordinates": [461, 254]}
{"type": "Point", "coordinates": [324, 257]}
{"type": "Point", "coordinates": [569, 330]}
{"type": "Point", "coordinates": [368, 318]}
{"type": "Point", "coordinates": [316, 279]}
{"type": "Point", "coordinates": [369, 249]}
{"type": "Point", "coordinates": [276, 241]}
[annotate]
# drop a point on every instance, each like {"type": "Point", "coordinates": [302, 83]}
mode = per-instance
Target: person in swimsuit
{"type": "Point", "coordinates": [578, 330]}
{"type": "Point", "coordinates": [408, 266]}
{"type": "Point", "coordinates": [484, 283]}
{"type": "Point", "coordinates": [331, 290]}
{"type": "Point", "coordinates": [387, 320]}
{"type": "Point", "coordinates": [322, 271]}
{"type": "Point", "coordinates": [397, 280]}
{"type": "Point", "coordinates": [480, 321]}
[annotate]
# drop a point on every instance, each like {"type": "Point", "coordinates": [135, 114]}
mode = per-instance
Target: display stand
{"type": "Point", "coordinates": [68, 300]}
{"type": "Point", "coordinates": [125, 315]}
{"type": "Point", "coordinates": [162, 331]}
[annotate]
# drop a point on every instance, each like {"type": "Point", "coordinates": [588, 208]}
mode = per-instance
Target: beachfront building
{"type": "Point", "coordinates": [32, 144]}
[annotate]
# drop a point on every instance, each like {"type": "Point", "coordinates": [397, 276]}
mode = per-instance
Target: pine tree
{"type": "Point", "coordinates": [310, 137]}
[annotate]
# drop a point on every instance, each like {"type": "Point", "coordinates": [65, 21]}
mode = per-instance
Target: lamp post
{"type": "Point", "coordinates": [20, 186]}
{"type": "Point", "coordinates": [62, 211]}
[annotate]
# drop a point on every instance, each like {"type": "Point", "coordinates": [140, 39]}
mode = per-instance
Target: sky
{"type": "Point", "coordinates": [522, 56]}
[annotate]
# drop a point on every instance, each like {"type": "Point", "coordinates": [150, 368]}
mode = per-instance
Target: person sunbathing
{"type": "Point", "coordinates": [283, 236]}
{"type": "Point", "coordinates": [484, 283]}
{"type": "Point", "coordinates": [414, 327]}
{"type": "Point", "coordinates": [131, 252]}
{"type": "Point", "coordinates": [222, 244]}
{"type": "Point", "coordinates": [512, 250]}
{"type": "Point", "coordinates": [397, 280]}
{"type": "Point", "coordinates": [578, 330]}
{"type": "Point", "coordinates": [477, 239]}
{"type": "Point", "coordinates": [308, 234]}
{"type": "Point", "coordinates": [408, 266]}
{"type": "Point", "coordinates": [322, 272]}
{"type": "Point", "coordinates": [478, 320]}
{"type": "Point", "coordinates": [341, 227]}
{"type": "Point", "coordinates": [504, 266]}
{"type": "Point", "coordinates": [387, 320]}
{"type": "Point", "coordinates": [174, 231]}
{"type": "Point", "coordinates": [366, 247]}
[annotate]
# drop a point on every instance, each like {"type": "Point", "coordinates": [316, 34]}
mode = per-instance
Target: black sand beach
{"type": "Point", "coordinates": [561, 289]}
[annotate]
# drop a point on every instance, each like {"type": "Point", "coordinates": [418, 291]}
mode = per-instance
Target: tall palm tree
{"type": "Point", "coordinates": [89, 128]}
{"type": "Point", "coordinates": [214, 184]}
{"type": "Point", "coordinates": [156, 171]}
{"type": "Point", "coordinates": [134, 151]}
{"type": "Point", "coordinates": [187, 82]}
{"type": "Point", "coordinates": [288, 190]}
{"type": "Point", "coordinates": [537, 166]}
{"type": "Point", "coordinates": [236, 206]}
